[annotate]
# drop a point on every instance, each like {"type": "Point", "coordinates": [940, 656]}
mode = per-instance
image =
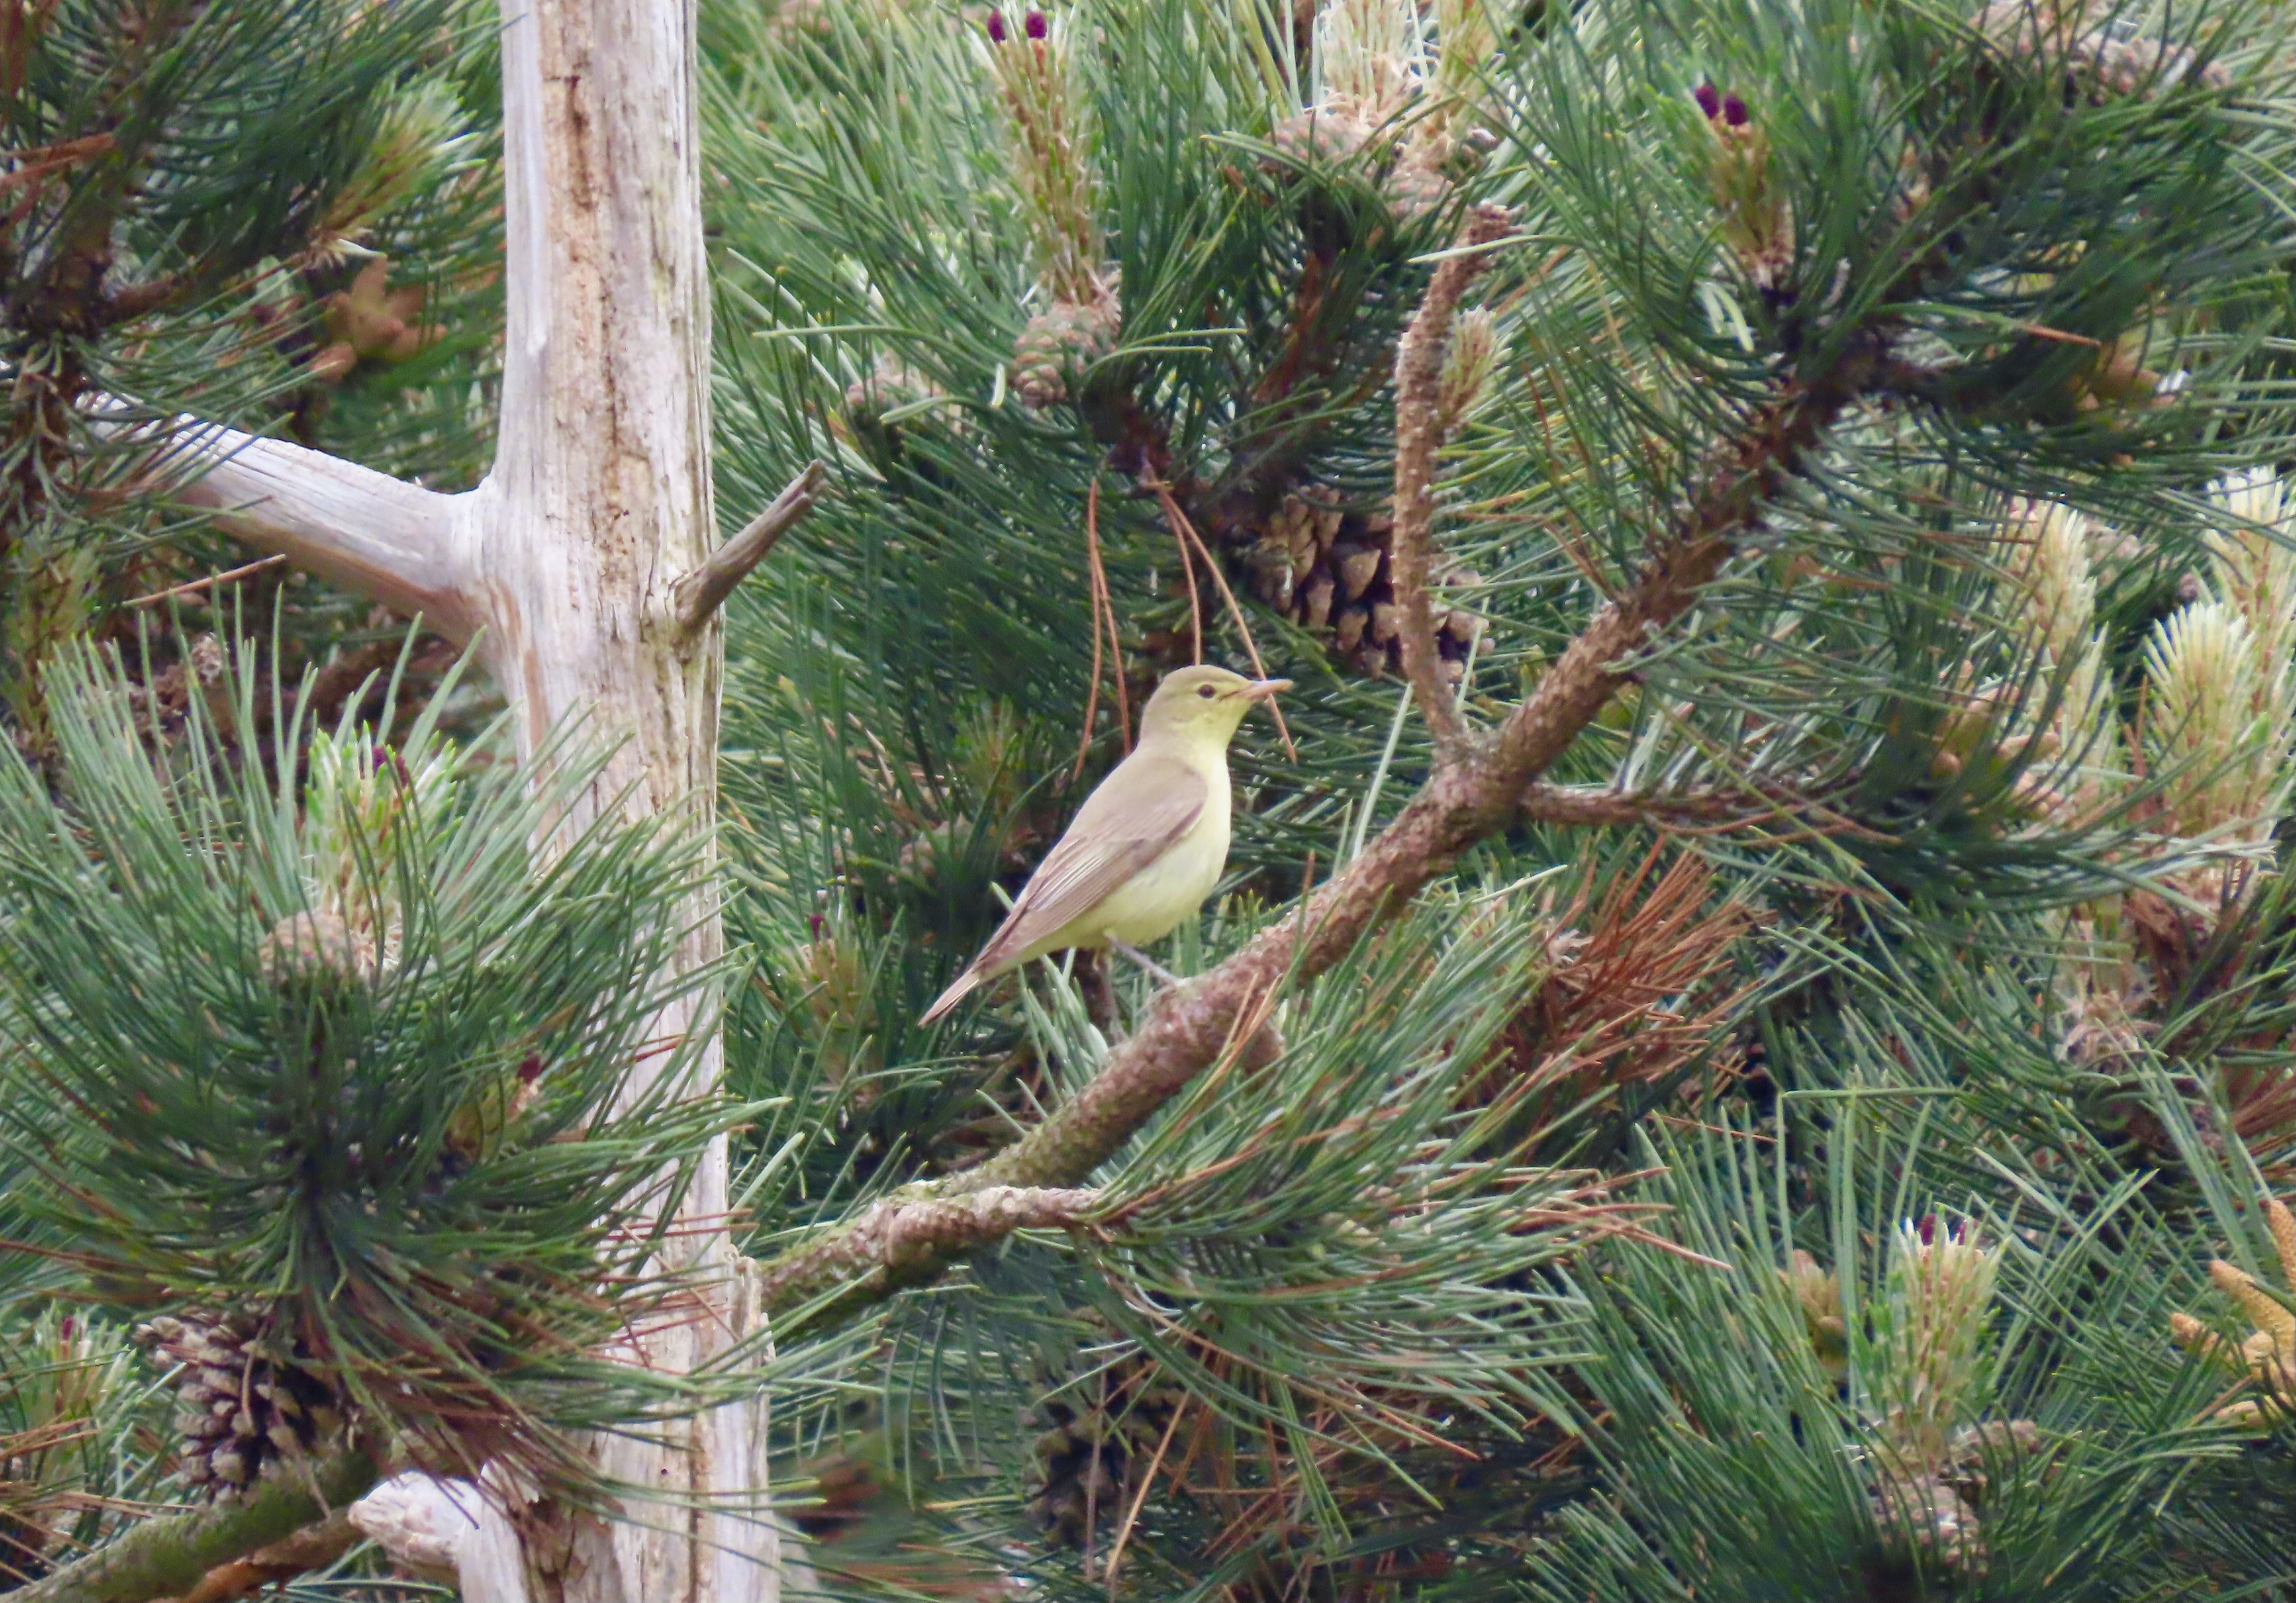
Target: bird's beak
{"type": "Point", "coordinates": [1260, 690]}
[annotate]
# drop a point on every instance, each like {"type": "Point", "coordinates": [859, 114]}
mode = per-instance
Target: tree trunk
{"type": "Point", "coordinates": [564, 565]}
{"type": "Point", "coordinates": [599, 501]}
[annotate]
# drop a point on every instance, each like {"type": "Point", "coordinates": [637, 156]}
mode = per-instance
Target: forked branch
{"type": "Point", "coordinates": [697, 596]}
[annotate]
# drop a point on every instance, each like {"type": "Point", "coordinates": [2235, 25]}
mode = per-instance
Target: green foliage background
{"type": "Point", "coordinates": [1477, 1290]}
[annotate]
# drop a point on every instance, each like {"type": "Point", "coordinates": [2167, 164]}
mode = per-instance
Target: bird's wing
{"type": "Point", "coordinates": [1136, 816]}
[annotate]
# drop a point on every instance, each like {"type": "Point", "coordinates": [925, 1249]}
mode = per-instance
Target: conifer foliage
{"type": "Point", "coordinates": [1900, 385]}
{"type": "Point", "coordinates": [267, 216]}
{"type": "Point", "coordinates": [1746, 1048]}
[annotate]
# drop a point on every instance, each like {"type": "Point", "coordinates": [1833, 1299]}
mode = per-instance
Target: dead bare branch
{"type": "Point", "coordinates": [697, 596]}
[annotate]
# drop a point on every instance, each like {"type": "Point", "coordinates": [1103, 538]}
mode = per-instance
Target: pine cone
{"type": "Point", "coordinates": [1328, 570]}
{"type": "Point", "coordinates": [1416, 186]}
{"type": "Point", "coordinates": [237, 1406]}
{"type": "Point", "coordinates": [1928, 1514]}
{"type": "Point", "coordinates": [1094, 1449]}
{"type": "Point", "coordinates": [1320, 136]}
{"type": "Point", "coordinates": [1061, 341]}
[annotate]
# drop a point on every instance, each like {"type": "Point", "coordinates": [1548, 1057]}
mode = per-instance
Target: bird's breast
{"type": "Point", "coordinates": [1155, 901]}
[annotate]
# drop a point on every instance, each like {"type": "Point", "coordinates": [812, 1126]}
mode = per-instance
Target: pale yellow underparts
{"type": "Point", "coordinates": [1148, 845]}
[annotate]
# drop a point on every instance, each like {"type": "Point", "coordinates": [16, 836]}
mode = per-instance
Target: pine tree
{"type": "Point", "coordinates": [1744, 1050]}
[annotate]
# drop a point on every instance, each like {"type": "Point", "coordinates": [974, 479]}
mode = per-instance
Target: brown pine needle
{"type": "Point", "coordinates": [1188, 576]}
{"type": "Point", "coordinates": [1108, 610]}
{"type": "Point", "coordinates": [1187, 532]}
{"type": "Point", "coordinates": [1092, 582]}
{"type": "Point", "coordinates": [225, 578]}
{"type": "Point", "coordinates": [1147, 1483]}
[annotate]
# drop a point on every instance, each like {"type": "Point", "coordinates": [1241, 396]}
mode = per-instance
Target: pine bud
{"type": "Point", "coordinates": [1465, 37]}
{"type": "Point", "coordinates": [2215, 756]}
{"type": "Point", "coordinates": [1047, 119]}
{"type": "Point", "coordinates": [2253, 559]}
{"type": "Point", "coordinates": [1818, 1295]}
{"type": "Point", "coordinates": [2268, 1355]}
{"type": "Point", "coordinates": [1756, 215]}
{"type": "Point", "coordinates": [1466, 369]}
{"type": "Point", "coordinates": [1364, 49]}
{"type": "Point", "coordinates": [1933, 1328]}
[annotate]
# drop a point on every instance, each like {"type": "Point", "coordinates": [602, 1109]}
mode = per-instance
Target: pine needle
{"type": "Point", "coordinates": [1187, 533]}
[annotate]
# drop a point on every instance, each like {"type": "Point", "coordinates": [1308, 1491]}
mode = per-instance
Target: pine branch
{"type": "Point", "coordinates": [312, 1547]}
{"type": "Point", "coordinates": [1468, 798]}
{"type": "Point", "coordinates": [168, 1557]}
{"type": "Point", "coordinates": [1418, 433]}
{"type": "Point", "coordinates": [904, 1240]}
{"type": "Point", "coordinates": [1599, 806]}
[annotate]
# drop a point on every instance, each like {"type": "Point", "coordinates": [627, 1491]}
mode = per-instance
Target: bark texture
{"type": "Point", "coordinates": [599, 502]}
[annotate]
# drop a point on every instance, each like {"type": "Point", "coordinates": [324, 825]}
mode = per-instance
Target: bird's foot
{"type": "Point", "coordinates": [1124, 949]}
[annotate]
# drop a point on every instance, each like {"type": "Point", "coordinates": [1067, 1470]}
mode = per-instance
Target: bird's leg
{"type": "Point", "coordinates": [1126, 950]}
{"type": "Point", "coordinates": [1098, 988]}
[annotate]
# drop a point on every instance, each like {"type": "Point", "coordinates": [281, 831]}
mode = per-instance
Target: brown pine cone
{"type": "Point", "coordinates": [238, 1406]}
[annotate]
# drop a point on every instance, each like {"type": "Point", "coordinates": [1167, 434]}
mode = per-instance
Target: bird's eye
{"type": "Point", "coordinates": [1207, 692]}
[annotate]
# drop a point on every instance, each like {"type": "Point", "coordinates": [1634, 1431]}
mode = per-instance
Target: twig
{"type": "Point", "coordinates": [168, 1556]}
{"type": "Point", "coordinates": [1418, 432]}
{"type": "Point", "coordinates": [1187, 531]}
{"type": "Point", "coordinates": [224, 578]}
{"type": "Point", "coordinates": [698, 594]}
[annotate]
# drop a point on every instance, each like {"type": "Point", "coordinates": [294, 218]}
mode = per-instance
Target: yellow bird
{"type": "Point", "coordinates": [1148, 845]}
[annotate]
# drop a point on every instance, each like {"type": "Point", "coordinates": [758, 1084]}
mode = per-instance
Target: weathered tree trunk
{"type": "Point", "coordinates": [564, 565]}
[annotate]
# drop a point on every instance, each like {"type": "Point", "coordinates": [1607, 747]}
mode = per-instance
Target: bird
{"type": "Point", "coordinates": [1146, 847]}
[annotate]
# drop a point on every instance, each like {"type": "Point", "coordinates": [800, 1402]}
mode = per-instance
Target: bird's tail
{"type": "Point", "coordinates": [966, 984]}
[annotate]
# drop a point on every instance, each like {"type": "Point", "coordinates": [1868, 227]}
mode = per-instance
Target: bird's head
{"type": "Point", "coordinates": [1203, 704]}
